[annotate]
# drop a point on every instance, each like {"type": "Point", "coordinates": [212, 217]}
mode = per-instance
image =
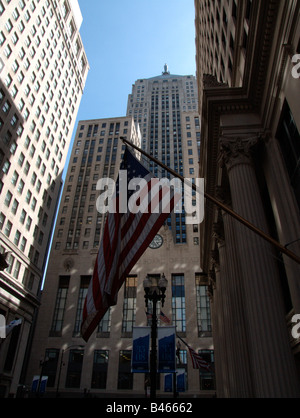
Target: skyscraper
{"type": "Point", "coordinates": [162, 117]}
{"type": "Point", "coordinates": [166, 108]}
{"type": "Point", "coordinates": [43, 68]}
{"type": "Point", "coordinates": [246, 54]}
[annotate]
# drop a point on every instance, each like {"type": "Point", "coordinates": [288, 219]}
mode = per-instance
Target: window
{"type": "Point", "coordinates": [17, 237]}
{"type": "Point", "coordinates": [84, 284]}
{"type": "Point", "coordinates": [100, 366]}
{"type": "Point", "coordinates": [207, 378]}
{"type": "Point", "coordinates": [74, 369]}
{"type": "Point", "coordinates": [104, 325]}
{"type": "Point", "coordinates": [181, 363]}
{"type": "Point", "coordinates": [28, 279]}
{"type": "Point", "coordinates": [59, 310]}
{"type": "Point", "coordinates": [6, 167]}
{"type": "Point", "coordinates": [28, 196]}
{"type": "Point", "coordinates": [50, 367]}
{"type": "Point", "coordinates": [203, 306]}
{"type": "Point", "coordinates": [17, 270]}
{"type": "Point", "coordinates": [7, 229]}
{"type": "Point", "coordinates": [8, 198]}
{"type": "Point", "coordinates": [23, 244]}
{"type": "Point", "coordinates": [129, 305]}
{"type": "Point", "coordinates": [10, 262]}
{"type": "Point", "coordinates": [125, 377]}
{"type": "Point", "coordinates": [11, 350]}
{"type": "Point", "coordinates": [9, 25]}
{"type": "Point", "coordinates": [2, 220]}
{"type": "Point", "coordinates": [2, 38]}
{"type": "Point", "coordinates": [23, 216]}
{"type": "Point", "coordinates": [178, 302]}
{"type": "Point", "coordinates": [289, 140]}
{"type": "Point", "coordinates": [6, 107]}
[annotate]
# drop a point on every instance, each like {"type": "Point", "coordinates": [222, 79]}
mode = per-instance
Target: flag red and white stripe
{"type": "Point", "coordinates": [164, 318]}
{"type": "Point", "coordinates": [197, 360]}
{"type": "Point", "coordinates": [125, 238]}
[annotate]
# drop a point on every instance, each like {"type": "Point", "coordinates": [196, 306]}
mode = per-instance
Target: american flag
{"type": "Point", "coordinates": [125, 238]}
{"type": "Point", "coordinates": [197, 361]}
{"type": "Point", "coordinates": [164, 318]}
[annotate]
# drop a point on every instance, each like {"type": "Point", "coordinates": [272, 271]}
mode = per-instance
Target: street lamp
{"type": "Point", "coordinates": [61, 364]}
{"type": "Point", "coordinates": [154, 292]}
{"type": "Point", "coordinates": [43, 363]}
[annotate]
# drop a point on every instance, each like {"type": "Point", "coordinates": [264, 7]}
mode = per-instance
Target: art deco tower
{"type": "Point", "coordinates": [166, 108]}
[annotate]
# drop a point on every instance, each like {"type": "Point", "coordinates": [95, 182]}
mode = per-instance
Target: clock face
{"type": "Point", "coordinates": [157, 242]}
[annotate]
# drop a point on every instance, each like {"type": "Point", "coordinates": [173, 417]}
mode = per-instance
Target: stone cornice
{"type": "Point", "coordinates": [222, 100]}
{"type": "Point", "coordinates": [17, 291]}
{"type": "Point", "coordinates": [263, 29]}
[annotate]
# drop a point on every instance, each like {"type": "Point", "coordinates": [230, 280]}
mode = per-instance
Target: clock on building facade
{"type": "Point", "coordinates": [157, 242]}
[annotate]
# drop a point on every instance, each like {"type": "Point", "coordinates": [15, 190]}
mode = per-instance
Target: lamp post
{"type": "Point", "coordinates": [61, 364]}
{"type": "Point", "coordinates": [155, 293]}
{"type": "Point", "coordinates": [42, 365]}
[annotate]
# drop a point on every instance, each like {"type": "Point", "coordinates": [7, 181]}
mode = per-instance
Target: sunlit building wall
{"type": "Point", "coordinates": [43, 69]}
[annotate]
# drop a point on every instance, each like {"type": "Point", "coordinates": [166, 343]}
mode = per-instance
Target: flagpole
{"type": "Point", "coordinates": [182, 340]}
{"type": "Point", "coordinates": [236, 216]}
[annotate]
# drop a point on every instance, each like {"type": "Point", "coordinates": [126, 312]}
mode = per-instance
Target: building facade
{"type": "Point", "coordinates": [43, 69]}
{"type": "Point", "coordinates": [250, 161]}
{"type": "Point", "coordinates": [162, 118]}
{"type": "Point", "coordinates": [166, 108]}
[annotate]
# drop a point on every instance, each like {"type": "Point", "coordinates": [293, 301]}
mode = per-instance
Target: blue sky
{"type": "Point", "coordinates": [130, 39]}
{"type": "Point", "coordinates": [126, 40]}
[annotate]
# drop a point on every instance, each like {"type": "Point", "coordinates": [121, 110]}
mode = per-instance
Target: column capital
{"type": "Point", "coordinates": [215, 261]}
{"type": "Point", "coordinates": [212, 278]}
{"type": "Point", "coordinates": [237, 150]}
{"type": "Point", "coordinates": [218, 233]}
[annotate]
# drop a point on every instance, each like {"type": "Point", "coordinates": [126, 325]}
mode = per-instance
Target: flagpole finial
{"type": "Point", "coordinates": [166, 70]}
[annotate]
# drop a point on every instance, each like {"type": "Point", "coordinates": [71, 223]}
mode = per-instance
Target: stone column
{"type": "Point", "coordinates": [287, 214]}
{"type": "Point", "coordinates": [213, 295]}
{"type": "Point", "coordinates": [271, 363]}
{"type": "Point", "coordinates": [219, 332]}
{"type": "Point", "coordinates": [239, 370]}
{"type": "Point", "coordinates": [242, 386]}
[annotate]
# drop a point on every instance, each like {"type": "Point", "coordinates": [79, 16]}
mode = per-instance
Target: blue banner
{"type": "Point", "coordinates": [169, 382]}
{"type": "Point", "coordinates": [43, 384]}
{"type": "Point", "coordinates": [140, 350]}
{"type": "Point", "coordinates": [180, 381]}
{"type": "Point", "coordinates": [166, 350]}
